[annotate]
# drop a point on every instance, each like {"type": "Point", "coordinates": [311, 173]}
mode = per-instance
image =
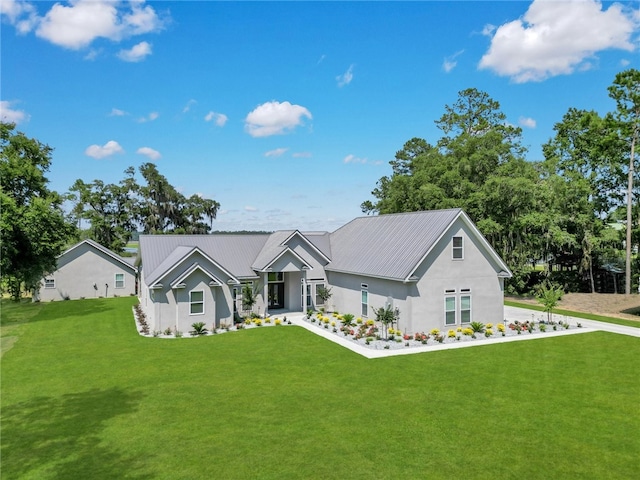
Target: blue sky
{"type": "Point", "coordinates": [287, 113]}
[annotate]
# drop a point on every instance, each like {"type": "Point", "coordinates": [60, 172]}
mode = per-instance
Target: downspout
{"type": "Point", "coordinates": [175, 298]}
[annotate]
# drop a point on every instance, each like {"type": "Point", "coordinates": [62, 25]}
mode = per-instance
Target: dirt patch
{"type": "Point", "coordinates": [608, 304]}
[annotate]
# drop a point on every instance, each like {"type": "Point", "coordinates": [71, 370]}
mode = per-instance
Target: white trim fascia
{"type": "Point", "coordinates": [103, 249]}
{"type": "Point", "coordinates": [369, 275]}
{"type": "Point", "coordinates": [280, 255]}
{"type": "Point", "coordinates": [299, 233]}
{"type": "Point", "coordinates": [189, 253]}
{"type": "Point", "coordinates": [190, 270]}
{"type": "Point", "coordinates": [467, 221]}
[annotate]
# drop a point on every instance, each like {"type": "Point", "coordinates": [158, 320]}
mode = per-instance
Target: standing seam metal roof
{"type": "Point", "coordinates": [388, 246]}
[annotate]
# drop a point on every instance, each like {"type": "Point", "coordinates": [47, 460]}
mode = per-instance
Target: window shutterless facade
{"type": "Point", "coordinates": [119, 281]}
{"type": "Point", "coordinates": [319, 300]}
{"type": "Point", "coordinates": [457, 307]}
{"type": "Point", "coordinates": [365, 303]}
{"type": "Point", "coordinates": [196, 302]}
{"type": "Point", "coordinates": [458, 250]}
{"type": "Point", "coordinates": [450, 310]}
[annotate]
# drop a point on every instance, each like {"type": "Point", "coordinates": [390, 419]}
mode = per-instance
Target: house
{"type": "Point", "coordinates": [435, 267]}
{"type": "Point", "coordinates": [89, 270]}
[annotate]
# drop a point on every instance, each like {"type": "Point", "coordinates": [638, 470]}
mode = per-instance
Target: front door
{"type": "Point", "coordinates": [276, 295]}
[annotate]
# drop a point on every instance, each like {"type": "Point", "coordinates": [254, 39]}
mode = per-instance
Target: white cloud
{"type": "Point", "coordinates": [149, 118]}
{"type": "Point", "coordinates": [116, 112]}
{"type": "Point", "coordinates": [353, 159]}
{"type": "Point", "coordinates": [302, 155]}
{"type": "Point", "coordinates": [450, 62]}
{"type": "Point", "coordinates": [149, 152]}
{"type": "Point", "coordinates": [77, 24]}
{"type": "Point", "coordinates": [22, 15]}
{"type": "Point", "coordinates": [346, 77]}
{"type": "Point", "coordinates": [249, 208]}
{"type": "Point", "coordinates": [527, 122]}
{"type": "Point", "coordinates": [110, 148]}
{"type": "Point", "coordinates": [10, 115]}
{"type": "Point", "coordinates": [188, 106]}
{"type": "Point", "coordinates": [557, 38]}
{"type": "Point", "coordinates": [136, 53]}
{"type": "Point", "coordinates": [322, 57]}
{"type": "Point", "coordinates": [220, 119]}
{"type": "Point", "coordinates": [275, 118]}
{"type": "Point", "coordinates": [276, 152]}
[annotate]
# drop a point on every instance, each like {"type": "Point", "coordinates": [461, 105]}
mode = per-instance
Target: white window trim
{"type": "Point", "coordinates": [455, 310]}
{"type": "Point", "coordinates": [316, 297]}
{"type": "Point", "coordinates": [51, 285]}
{"type": "Point", "coordinates": [460, 248]}
{"type": "Point", "coordinates": [191, 302]}
{"type": "Point", "coordinates": [364, 305]}
{"type": "Point", "coordinates": [467, 294]}
{"type": "Point", "coordinates": [115, 280]}
{"type": "Point", "coordinates": [453, 293]}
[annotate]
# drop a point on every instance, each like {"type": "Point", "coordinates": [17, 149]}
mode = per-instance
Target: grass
{"type": "Point", "coordinates": [83, 396]}
{"type": "Point", "coordinates": [587, 316]}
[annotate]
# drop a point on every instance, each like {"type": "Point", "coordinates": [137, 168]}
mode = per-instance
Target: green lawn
{"type": "Point", "coordinates": [84, 397]}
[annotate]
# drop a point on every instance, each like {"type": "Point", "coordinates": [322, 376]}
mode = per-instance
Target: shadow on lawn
{"type": "Point", "coordinates": [60, 437]}
{"type": "Point", "coordinates": [28, 312]}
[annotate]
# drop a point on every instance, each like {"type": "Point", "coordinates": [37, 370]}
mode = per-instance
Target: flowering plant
{"type": "Point", "coordinates": [451, 334]}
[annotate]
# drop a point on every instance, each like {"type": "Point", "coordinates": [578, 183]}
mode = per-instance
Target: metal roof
{"type": "Point", "coordinates": [234, 253]}
{"type": "Point", "coordinates": [388, 246]}
{"type": "Point", "coordinates": [385, 246]}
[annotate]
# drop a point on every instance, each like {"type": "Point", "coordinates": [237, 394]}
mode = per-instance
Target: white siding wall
{"type": "Point", "coordinates": [82, 268]}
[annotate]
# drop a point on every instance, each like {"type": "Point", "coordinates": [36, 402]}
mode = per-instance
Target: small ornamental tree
{"type": "Point", "coordinates": [324, 294]}
{"type": "Point", "coordinates": [248, 297]}
{"type": "Point", "coordinates": [549, 296]}
{"type": "Point", "coordinates": [386, 316]}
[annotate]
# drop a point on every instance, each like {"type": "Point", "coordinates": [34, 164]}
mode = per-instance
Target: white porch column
{"type": "Point", "coordinates": [304, 290]}
{"type": "Point", "coordinates": [265, 293]}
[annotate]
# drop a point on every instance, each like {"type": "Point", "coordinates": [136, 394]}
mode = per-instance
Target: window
{"type": "Point", "coordinates": [196, 302]}
{"type": "Point", "coordinates": [449, 310]}
{"type": "Point", "coordinates": [465, 309]}
{"type": "Point", "coordinates": [457, 248]}
{"type": "Point", "coordinates": [275, 277]}
{"type": "Point", "coordinates": [365, 303]}
{"type": "Point", "coordinates": [49, 283]}
{"type": "Point", "coordinates": [308, 294]}
{"type": "Point", "coordinates": [319, 300]}
{"type": "Point", "coordinates": [119, 280]}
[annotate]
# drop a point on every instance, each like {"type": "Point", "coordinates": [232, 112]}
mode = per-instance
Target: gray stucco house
{"type": "Point", "coordinates": [89, 270]}
{"type": "Point", "coordinates": [434, 266]}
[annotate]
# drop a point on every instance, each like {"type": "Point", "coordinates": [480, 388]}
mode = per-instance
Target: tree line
{"type": "Point", "coordinates": [550, 210]}
{"type": "Point", "coordinates": [557, 209]}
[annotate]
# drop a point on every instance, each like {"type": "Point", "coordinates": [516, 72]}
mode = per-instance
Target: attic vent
{"type": "Point", "coordinates": [364, 285]}
{"type": "Point", "coordinates": [465, 290]}
{"type": "Point", "coordinates": [450, 291]}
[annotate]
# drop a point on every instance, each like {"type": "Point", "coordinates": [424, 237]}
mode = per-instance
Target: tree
{"type": "Point", "coordinates": [163, 209]}
{"type": "Point", "coordinates": [115, 211]}
{"type": "Point", "coordinates": [625, 90]}
{"type": "Point", "coordinates": [109, 208]}
{"type": "Point", "coordinates": [33, 227]}
{"type": "Point", "coordinates": [478, 165]}
{"type": "Point", "coordinates": [549, 296]}
{"type": "Point", "coordinates": [582, 188]}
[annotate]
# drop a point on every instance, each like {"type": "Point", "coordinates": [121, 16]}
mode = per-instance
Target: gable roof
{"type": "Point", "coordinates": [126, 262]}
{"type": "Point", "coordinates": [277, 244]}
{"type": "Point", "coordinates": [232, 253]}
{"type": "Point", "coordinates": [393, 246]}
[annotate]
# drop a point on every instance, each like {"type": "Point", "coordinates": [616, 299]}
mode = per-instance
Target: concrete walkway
{"type": "Point", "coordinates": [511, 314]}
